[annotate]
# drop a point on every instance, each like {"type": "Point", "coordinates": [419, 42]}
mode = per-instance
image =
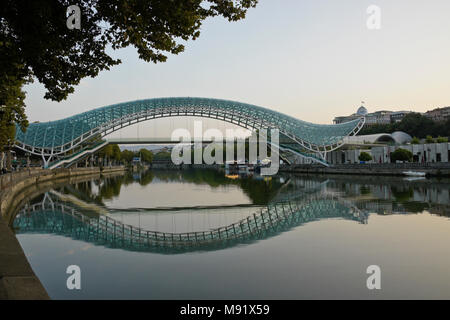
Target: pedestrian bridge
{"type": "Point", "coordinates": [71, 135]}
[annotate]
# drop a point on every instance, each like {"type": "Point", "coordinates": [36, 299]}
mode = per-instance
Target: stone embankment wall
{"type": "Point", "coordinates": [17, 279]}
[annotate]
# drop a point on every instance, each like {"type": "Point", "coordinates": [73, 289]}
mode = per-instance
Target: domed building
{"type": "Point", "coordinates": [362, 111]}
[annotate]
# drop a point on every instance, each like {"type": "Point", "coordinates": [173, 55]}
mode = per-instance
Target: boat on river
{"type": "Point", "coordinates": [414, 173]}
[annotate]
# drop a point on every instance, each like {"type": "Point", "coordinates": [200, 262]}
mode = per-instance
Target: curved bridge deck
{"type": "Point", "coordinates": [56, 138]}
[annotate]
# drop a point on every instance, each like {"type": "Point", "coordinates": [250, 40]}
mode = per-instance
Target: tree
{"type": "Point", "coordinates": [414, 124]}
{"type": "Point", "coordinates": [417, 125]}
{"type": "Point", "coordinates": [163, 155]}
{"type": "Point", "coordinates": [364, 156]}
{"type": "Point", "coordinates": [127, 155]}
{"type": "Point", "coordinates": [415, 140]}
{"type": "Point", "coordinates": [13, 76]}
{"type": "Point", "coordinates": [377, 128]}
{"type": "Point", "coordinates": [401, 155]}
{"type": "Point", "coordinates": [116, 154]}
{"type": "Point", "coordinates": [146, 155]}
{"type": "Point", "coordinates": [35, 41]}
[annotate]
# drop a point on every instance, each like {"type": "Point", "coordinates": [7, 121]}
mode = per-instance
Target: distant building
{"type": "Point", "coordinates": [361, 112]}
{"type": "Point", "coordinates": [398, 116]}
{"type": "Point", "coordinates": [342, 119]}
{"type": "Point", "coordinates": [378, 117]}
{"type": "Point", "coordinates": [438, 114]}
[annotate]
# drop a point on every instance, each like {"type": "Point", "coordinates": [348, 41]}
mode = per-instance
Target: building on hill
{"type": "Point", "coordinates": [438, 114]}
{"type": "Point", "coordinates": [378, 117]}
{"type": "Point", "coordinates": [374, 118]}
{"type": "Point", "coordinates": [398, 116]}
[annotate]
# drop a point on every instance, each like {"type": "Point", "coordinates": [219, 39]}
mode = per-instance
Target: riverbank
{"type": "Point", "coordinates": [17, 279]}
{"type": "Point", "coordinates": [383, 169]}
{"type": "Point", "coordinates": [441, 169]}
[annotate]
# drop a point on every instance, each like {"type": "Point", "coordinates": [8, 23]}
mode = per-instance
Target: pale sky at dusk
{"type": "Point", "coordinates": [312, 59]}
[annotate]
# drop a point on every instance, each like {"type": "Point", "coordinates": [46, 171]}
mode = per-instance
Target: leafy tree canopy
{"type": "Point", "coordinates": [35, 42]}
{"type": "Point", "coordinates": [364, 156]}
{"type": "Point", "coordinates": [127, 155]}
{"type": "Point", "coordinates": [414, 124]}
{"type": "Point", "coordinates": [415, 140]}
{"type": "Point", "coordinates": [401, 155]}
{"type": "Point", "coordinates": [146, 155]}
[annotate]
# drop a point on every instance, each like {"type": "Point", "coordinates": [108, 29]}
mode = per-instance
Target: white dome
{"type": "Point", "coordinates": [362, 111]}
{"type": "Point", "coordinates": [401, 137]}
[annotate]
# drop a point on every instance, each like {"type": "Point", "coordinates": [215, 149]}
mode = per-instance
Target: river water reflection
{"type": "Point", "coordinates": [202, 234]}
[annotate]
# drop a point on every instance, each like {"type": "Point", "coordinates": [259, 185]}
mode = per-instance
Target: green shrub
{"type": "Point", "coordinates": [415, 140]}
{"type": "Point", "coordinates": [401, 155]}
{"type": "Point", "coordinates": [364, 156]}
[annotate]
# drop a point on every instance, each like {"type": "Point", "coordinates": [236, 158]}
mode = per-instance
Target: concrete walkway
{"type": "Point", "coordinates": [17, 279]}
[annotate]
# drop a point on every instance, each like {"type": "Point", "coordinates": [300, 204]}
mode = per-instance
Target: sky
{"type": "Point", "coordinates": [311, 59]}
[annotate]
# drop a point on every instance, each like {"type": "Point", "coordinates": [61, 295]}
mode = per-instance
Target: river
{"type": "Point", "coordinates": [153, 235]}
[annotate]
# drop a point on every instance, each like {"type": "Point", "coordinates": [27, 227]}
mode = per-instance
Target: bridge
{"type": "Point", "coordinates": [57, 217]}
{"type": "Point", "coordinates": [79, 135]}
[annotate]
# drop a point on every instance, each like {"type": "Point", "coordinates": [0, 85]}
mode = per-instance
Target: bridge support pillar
{"type": "Point", "coordinates": [46, 161]}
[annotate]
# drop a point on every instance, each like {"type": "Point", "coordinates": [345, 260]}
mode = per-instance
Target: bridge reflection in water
{"type": "Point", "coordinates": [282, 214]}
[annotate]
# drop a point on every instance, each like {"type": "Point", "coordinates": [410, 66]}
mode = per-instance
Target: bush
{"type": "Point", "coordinates": [401, 155]}
{"type": "Point", "coordinates": [429, 139]}
{"type": "Point", "coordinates": [415, 140]}
{"type": "Point", "coordinates": [364, 156]}
{"type": "Point", "coordinates": [441, 139]}
{"type": "Point", "coordinates": [163, 155]}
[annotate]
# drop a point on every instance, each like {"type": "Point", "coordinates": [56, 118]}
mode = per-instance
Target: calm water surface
{"type": "Point", "coordinates": [333, 228]}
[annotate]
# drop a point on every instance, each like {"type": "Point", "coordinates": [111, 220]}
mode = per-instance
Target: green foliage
{"type": "Point", "coordinates": [441, 139]}
{"type": "Point", "coordinates": [106, 151]}
{"type": "Point", "coordinates": [377, 128]}
{"type": "Point", "coordinates": [163, 155]}
{"type": "Point", "coordinates": [429, 139]}
{"type": "Point", "coordinates": [35, 42]}
{"type": "Point", "coordinates": [415, 140]}
{"type": "Point", "coordinates": [417, 125]}
{"type": "Point", "coordinates": [59, 58]}
{"type": "Point", "coordinates": [146, 155]}
{"type": "Point", "coordinates": [401, 155]}
{"type": "Point", "coordinates": [13, 76]}
{"type": "Point", "coordinates": [116, 153]}
{"type": "Point", "coordinates": [364, 156]}
{"type": "Point", "coordinates": [127, 155]}
{"type": "Point", "coordinates": [414, 124]}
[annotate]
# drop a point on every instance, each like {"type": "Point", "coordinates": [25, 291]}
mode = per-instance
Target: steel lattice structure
{"type": "Point", "coordinates": [56, 138]}
{"type": "Point", "coordinates": [62, 219]}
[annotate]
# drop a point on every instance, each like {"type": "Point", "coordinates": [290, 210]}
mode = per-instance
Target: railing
{"type": "Point", "coordinates": [75, 156]}
{"type": "Point", "coordinates": [311, 156]}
